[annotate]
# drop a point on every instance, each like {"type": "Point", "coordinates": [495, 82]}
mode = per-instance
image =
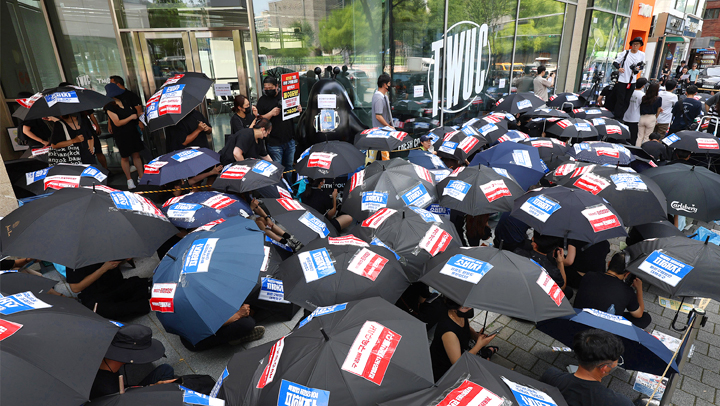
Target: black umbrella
{"type": "Point", "coordinates": [498, 281]}
{"type": "Point", "coordinates": [53, 343]}
{"type": "Point", "coordinates": [599, 152]}
{"type": "Point", "coordinates": [336, 270]}
{"type": "Point", "coordinates": [569, 213]}
{"type": "Point", "coordinates": [592, 112]}
{"type": "Point", "coordinates": [565, 100]}
{"type": "Point", "coordinates": [571, 128]}
{"type": "Point", "coordinates": [609, 128]}
{"type": "Point", "coordinates": [548, 148]}
{"type": "Point", "coordinates": [491, 127]}
{"type": "Point", "coordinates": [396, 183]}
{"type": "Point", "coordinates": [79, 227]}
{"type": "Point", "coordinates": [658, 229]}
{"type": "Point", "coordinates": [12, 282]}
{"type": "Point", "coordinates": [519, 103]}
{"type": "Point", "coordinates": [156, 395]}
{"type": "Point", "coordinates": [569, 169]}
{"type": "Point", "coordinates": [379, 139]}
{"type": "Point", "coordinates": [276, 191]}
{"type": "Point", "coordinates": [460, 144]}
{"type": "Point", "coordinates": [693, 141]}
{"type": "Point", "coordinates": [182, 164]}
{"type": "Point", "coordinates": [60, 101]}
{"type": "Point", "coordinates": [636, 197]}
{"type": "Point", "coordinates": [690, 191]}
{"type": "Point", "coordinates": [545, 112]}
{"type": "Point", "coordinates": [248, 175]}
{"type": "Point", "coordinates": [61, 176]}
{"type": "Point", "coordinates": [473, 379]}
{"type": "Point", "coordinates": [330, 159]}
{"type": "Point", "coordinates": [478, 190]}
{"type": "Point", "coordinates": [300, 220]}
{"type": "Point", "coordinates": [678, 265]}
{"type": "Point", "coordinates": [356, 353]}
{"type": "Point", "coordinates": [412, 233]}
{"type": "Point", "coordinates": [175, 99]}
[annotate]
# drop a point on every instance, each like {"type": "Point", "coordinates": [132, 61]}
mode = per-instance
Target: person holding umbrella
{"type": "Point", "coordinates": [547, 251]}
{"type": "Point", "coordinates": [650, 109]}
{"type": "Point", "coordinates": [191, 131]}
{"type": "Point", "coordinates": [123, 122]}
{"type": "Point", "coordinates": [37, 132]}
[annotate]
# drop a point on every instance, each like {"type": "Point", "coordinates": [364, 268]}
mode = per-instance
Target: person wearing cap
{"type": "Point", "coordinates": [620, 99]}
{"type": "Point", "coordinates": [124, 122]}
{"type": "Point", "coordinates": [426, 144]}
{"type": "Point", "coordinates": [132, 344]}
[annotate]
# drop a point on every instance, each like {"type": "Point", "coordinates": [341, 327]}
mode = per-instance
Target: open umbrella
{"type": "Point", "coordinates": [545, 112]}
{"type": "Point", "coordinates": [339, 269]}
{"type": "Point", "coordinates": [427, 160]}
{"type": "Point", "coordinates": [490, 127]}
{"type": "Point", "coordinates": [569, 213]}
{"type": "Point", "coordinates": [299, 219]}
{"type": "Point", "coordinates": [276, 191]}
{"type": "Point", "coordinates": [521, 161]}
{"type": "Point", "coordinates": [330, 159]}
{"type": "Point", "coordinates": [548, 148]}
{"type": "Point", "coordinates": [380, 139]}
{"type": "Point", "coordinates": [690, 191]}
{"type": "Point", "coordinates": [571, 128]}
{"type": "Point", "coordinates": [565, 100]}
{"type": "Point", "coordinates": [478, 190]}
{"type": "Point", "coordinates": [608, 128]}
{"type": "Point", "coordinates": [170, 394]}
{"type": "Point", "coordinates": [248, 175]}
{"type": "Point", "coordinates": [181, 164]}
{"type": "Point", "coordinates": [643, 352]}
{"type": "Point", "coordinates": [519, 103]}
{"type": "Point", "coordinates": [356, 353]}
{"type": "Point", "coordinates": [512, 135]}
{"type": "Point", "coordinates": [460, 144]}
{"type": "Point", "coordinates": [693, 141]}
{"type": "Point", "coordinates": [12, 282]}
{"type": "Point", "coordinates": [498, 281]}
{"type": "Point", "coordinates": [79, 227]}
{"type": "Point", "coordinates": [50, 341]}
{"type": "Point", "coordinates": [599, 152]}
{"type": "Point", "coordinates": [658, 229]}
{"type": "Point", "coordinates": [199, 208]}
{"type": "Point", "coordinates": [61, 176]}
{"type": "Point", "coordinates": [569, 169]}
{"type": "Point", "coordinates": [593, 112]}
{"type": "Point", "coordinates": [204, 278]}
{"type": "Point", "coordinates": [175, 99]}
{"type": "Point", "coordinates": [60, 101]}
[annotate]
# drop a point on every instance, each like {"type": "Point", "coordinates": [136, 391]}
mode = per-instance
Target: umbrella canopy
{"type": "Point", "coordinates": [330, 360]}
{"type": "Point", "coordinates": [206, 276]}
{"type": "Point", "coordinates": [690, 191]}
{"type": "Point", "coordinates": [599, 152]}
{"type": "Point", "coordinates": [336, 270]}
{"type": "Point", "coordinates": [521, 161]}
{"type": "Point", "coordinates": [571, 128]}
{"type": "Point", "coordinates": [248, 175]}
{"type": "Point", "coordinates": [643, 352]}
{"type": "Point", "coordinates": [636, 197]}
{"type": "Point", "coordinates": [51, 341]}
{"type": "Point", "coordinates": [693, 141]}
{"type": "Point", "coordinates": [678, 265]}
{"type": "Point", "coordinates": [658, 229]}
{"type": "Point", "coordinates": [427, 160]}
{"type": "Point", "coordinates": [299, 219]}
{"type": "Point", "coordinates": [175, 99]}
{"type": "Point", "coordinates": [490, 127]}
{"type": "Point", "coordinates": [181, 164]}
{"type": "Point", "coordinates": [569, 213]}
{"type": "Point", "coordinates": [519, 103]}
{"type": "Point", "coordinates": [478, 190]}
{"type": "Point", "coordinates": [61, 176]}
{"type": "Point", "coordinates": [512, 135]}
{"type": "Point", "coordinates": [330, 159]}
{"type": "Point", "coordinates": [199, 208]}
{"type": "Point", "coordinates": [593, 112]}
{"type": "Point", "coordinates": [12, 282]}
{"type": "Point", "coordinates": [276, 191]}
{"type": "Point", "coordinates": [570, 169]}
{"type": "Point", "coordinates": [155, 395]}
{"type": "Point", "coordinates": [414, 234]}
{"type": "Point", "coordinates": [396, 183]}
{"type": "Point", "coordinates": [565, 100]}
{"type": "Point", "coordinates": [545, 112]}
{"type": "Point", "coordinates": [548, 148]}
{"type": "Point", "coordinates": [79, 227]}
{"type": "Point", "coordinates": [60, 101]}
{"type": "Point", "coordinates": [380, 139]}
{"type": "Point", "coordinates": [498, 281]}
{"type": "Point", "coordinates": [460, 144]}
{"type": "Point", "coordinates": [473, 379]}
{"type": "Point", "coordinates": [609, 128]}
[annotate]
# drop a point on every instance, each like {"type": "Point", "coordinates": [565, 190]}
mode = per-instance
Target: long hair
{"type": "Point", "coordinates": [651, 94]}
{"type": "Point", "coordinates": [238, 103]}
{"type": "Point", "coordinates": [314, 184]}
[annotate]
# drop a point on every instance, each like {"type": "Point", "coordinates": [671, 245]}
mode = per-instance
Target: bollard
{"type": "Point", "coordinates": [696, 319]}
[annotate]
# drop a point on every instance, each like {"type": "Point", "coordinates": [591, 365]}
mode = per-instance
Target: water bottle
{"type": "Point", "coordinates": [611, 309]}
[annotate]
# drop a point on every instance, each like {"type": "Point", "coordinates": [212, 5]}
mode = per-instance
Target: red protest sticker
{"type": "Point", "coordinates": [290, 204]}
{"type": "Point", "coordinates": [283, 192]}
{"type": "Point", "coordinates": [209, 225]}
{"type": "Point", "coordinates": [174, 79]}
{"type": "Point", "coordinates": [549, 286]}
{"type": "Point", "coordinates": [172, 200]}
{"type": "Point", "coordinates": [367, 263]}
{"type": "Point", "coordinates": [495, 189]}
{"type": "Point", "coordinates": [347, 240]}
{"type": "Point", "coordinates": [170, 105]}
{"type": "Point", "coordinates": [564, 123]}
{"type": "Point", "coordinates": [320, 160]}
{"type": "Point", "coordinates": [471, 394]}
{"type": "Point", "coordinates": [707, 143]}
{"type": "Point", "coordinates": [378, 218]}
{"type": "Point", "coordinates": [611, 152]}
{"type": "Point", "coordinates": [153, 168]}
{"type": "Point", "coordinates": [235, 172]}
{"type": "Point", "coordinates": [564, 169]}
{"type": "Point", "coordinates": [357, 180]}
{"type": "Point", "coordinates": [592, 183]}
{"type": "Point", "coordinates": [371, 352]}
{"type": "Point", "coordinates": [435, 241]}
{"type": "Point", "coordinates": [8, 328]}
{"type": "Point", "coordinates": [218, 202]}
{"type": "Point", "coordinates": [601, 218]}
{"type": "Point", "coordinates": [468, 144]}
{"type": "Point", "coordinates": [582, 170]}
{"type": "Point", "coordinates": [162, 299]}
{"type": "Point", "coordinates": [61, 181]}
{"type": "Point", "coordinates": [541, 143]}
{"type": "Point", "coordinates": [271, 368]}
{"type": "Point", "coordinates": [423, 173]}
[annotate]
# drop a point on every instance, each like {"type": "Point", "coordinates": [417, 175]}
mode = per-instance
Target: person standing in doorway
{"type": "Point", "coordinates": [628, 64]}
{"type": "Point", "coordinates": [381, 113]}
{"type": "Point", "coordinates": [540, 84]}
{"type": "Point", "coordinates": [123, 120]}
{"type": "Point", "coordinates": [281, 143]}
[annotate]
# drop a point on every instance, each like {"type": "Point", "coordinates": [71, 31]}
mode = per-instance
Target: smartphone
{"type": "Point", "coordinates": [493, 332]}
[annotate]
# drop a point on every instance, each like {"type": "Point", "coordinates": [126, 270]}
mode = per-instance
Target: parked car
{"type": "Point", "coordinates": [709, 77]}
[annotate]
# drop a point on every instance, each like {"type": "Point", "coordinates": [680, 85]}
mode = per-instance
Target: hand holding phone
{"type": "Point", "coordinates": [492, 333]}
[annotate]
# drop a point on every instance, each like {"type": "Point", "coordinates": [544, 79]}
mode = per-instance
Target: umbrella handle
{"type": "Point", "coordinates": [122, 384]}
{"type": "Point", "coordinates": [676, 316]}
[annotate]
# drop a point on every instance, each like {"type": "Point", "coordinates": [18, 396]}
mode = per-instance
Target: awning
{"type": "Point", "coordinates": [676, 39]}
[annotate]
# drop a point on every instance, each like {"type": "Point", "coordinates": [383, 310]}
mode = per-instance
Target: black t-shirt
{"type": "Point", "coordinates": [177, 133]}
{"type": "Point", "coordinates": [58, 136]}
{"type": "Point", "coordinates": [657, 150]}
{"type": "Point", "coordinates": [647, 108]}
{"type": "Point", "coordinates": [550, 264]}
{"type": "Point", "coordinates": [109, 281]}
{"type": "Point", "coordinates": [579, 392]}
{"type": "Point", "coordinates": [684, 113]}
{"type": "Point", "coordinates": [592, 259]}
{"type": "Point", "coordinates": [440, 360]}
{"type": "Point", "coordinates": [39, 128]}
{"type": "Point", "coordinates": [601, 291]}
{"type": "Point", "coordinates": [105, 383]}
{"type": "Point", "coordinates": [606, 90]}
{"type": "Point", "coordinates": [282, 131]}
{"type": "Point", "coordinates": [237, 123]}
{"type": "Point", "coordinates": [319, 200]}
{"type": "Point", "coordinates": [245, 140]}
{"type": "Point", "coordinates": [130, 99]}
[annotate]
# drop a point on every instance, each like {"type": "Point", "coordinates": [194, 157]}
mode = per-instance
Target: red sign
{"type": "Point", "coordinates": [495, 189]}
{"type": "Point", "coordinates": [290, 204]}
{"type": "Point", "coordinates": [320, 160]}
{"type": "Point", "coordinates": [347, 240]}
{"type": "Point", "coordinates": [468, 144]}
{"type": "Point", "coordinates": [218, 202]}
{"type": "Point", "coordinates": [541, 143]}
{"type": "Point", "coordinates": [271, 368]}
{"type": "Point", "coordinates": [153, 168]}
{"type": "Point", "coordinates": [162, 299]}
{"type": "Point", "coordinates": [60, 181]}
{"type": "Point", "coordinates": [235, 172]}
{"type": "Point", "coordinates": [423, 173]}
{"type": "Point", "coordinates": [435, 241]}
{"type": "Point", "coordinates": [378, 218]}
{"type": "Point", "coordinates": [707, 143]}
{"type": "Point", "coordinates": [470, 393]}
{"type": "Point", "coordinates": [581, 170]}
{"type": "Point", "coordinates": [172, 200]}
{"type": "Point", "coordinates": [611, 152]}
{"type": "Point", "coordinates": [564, 169]}
{"type": "Point", "coordinates": [8, 328]}
{"type": "Point", "coordinates": [371, 352]}
{"type": "Point", "coordinates": [601, 218]}
{"type": "Point", "coordinates": [367, 263]}
{"type": "Point", "coordinates": [591, 183]}
{"type": "Point", "coordinates": [550, 287]}
{"type": "Point", "coordinates": [290, 88]}
{"type": "Point", "coordinates": [357, 180]}
{"type": "Point", "coordinates": [564, 123]}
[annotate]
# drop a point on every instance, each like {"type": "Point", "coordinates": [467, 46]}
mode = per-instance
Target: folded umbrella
{"type": "Point", "coordinates": [248, 175]}
{"type": "Point", "coordinates": [85, 226]}
{"type": "Point", "coordinates": [571, 128]}
{"type": "Point", "coordinates": [498, 281]}
{"type": "Point", "coordinates": [643, 352]}
{"type": "Point", "coordinates": [61, 176]}
{"type": "Point", "coordinates": [60, 101]}
{"type": "Point", "coordinates": [566, 100]}
{"type": "Point", "coordinates": [302, 221]}
{"type": "Point", "coordinates": [521, 161]}
{"type": "Point", "coordinates": [593, 112]}
{"type": "Point", "coordinates": [380, 139]}
{"type": "Point", "coordinates": [519, 103]}
{"type": "Point", "coordinates": [600, 152]}
{"type": "Point", "coordinates": [176, 165]}
{"type": "Point", "coordinates": [690, 190]}
{"type": "Point", "coordinates": [199, 208]}
{"type": "Point", "coordinates": [205, 278]}
{"type": "Point", "coordinates": [330, 159]}
{"type": "Point", "coordinates": [693, 141]}
{"type": "Point", "coordinates": [476, 190]}
{"type": "Point", "coordinates": [175, 99]}
{"type": "Point", "coordinates": [608, 128]}
{"type": "Point", "coordinates": [460, 144]}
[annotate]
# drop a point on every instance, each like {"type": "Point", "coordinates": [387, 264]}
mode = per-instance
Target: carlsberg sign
{"type": "Point", "coordinates": [468, 60]}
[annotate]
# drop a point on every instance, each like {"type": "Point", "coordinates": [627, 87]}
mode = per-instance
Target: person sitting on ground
{"type": "Point", "coordinates": [247, 143]}
{"type": "Point", "coordinates": [426, 144]}
{"type": "Point", "coordinates": [101, 287]}
{"type": "Point", "coordinates": [656, 148]}
{"type": "Point", "coordinates": [598, 353]}
{"type": "Point", "coordinates": [547, 251]}
{"type": "Point", "coordinates": [510, 233]}
{"type": "Point", "coordinates": [268, 226]}
{"type": "Point", "coordinates": [452, 337]}
{"type": "Point", "coordinates": [319, 199]}
{"type": "Point", "coordinates": [612, 293]}
{"type": "Point", "coordinates": [238, 329]}
{"type": "Point", "coordinates": [132, 344]}
{"type": "Point", "coordinates": [681, 157]}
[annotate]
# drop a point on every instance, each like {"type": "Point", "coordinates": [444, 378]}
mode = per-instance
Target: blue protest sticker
{"type": "Point", "coordinates": [524, 104]}
{"type": "Point", "coordinates": [264, 168]}
{"type": "Point", "coordinates": [465, 268]}
{"type": "Point", "coordinates": [671, 139]}
{"type": "Point", "coordinates": [469, 131]}
{"type": "Point", "coordinates": [218, 384]}
{"type": "Point", "coordinates": [117, 323]}
{"type": "Point", "coordinates": [314, 224]}
{"type": "Point", "coordinates": [187, 154]}
{"type": "Point", "coordinates": [279, 244]}
{"type": "Point", "coordinates": [293, 394]}
{"type": "Point", "coordinates": [93, 172]}
{"type": "Point", "coordinates": [417, 196]}
{"type": "Point", "coordinates": [61, 97]}
{"type": "Point", "coordinates": [316, 264]}
{"type": "Point", "coordinates": [422, 125]}
{"type": "Point", "coordinates": [322, 311]}
{"type": "Point", "coordinates": [271, 290]}
{"type": "Point", "coordinates": [198, 256]}
{"type": "Point", "coordinates": [541, 207]}
{"type": "Point", "coordinates": [376, 241]}
{"type": "Point", "coordinates": [527, 396]}
{"type": "Point", "coordinates": [33, 177]}
{"type": "Point", "coordinates": [183, 211]}
{"type": "Point", "coordinates": [665, 267]}
{"type": "Point", "coordinates": [488, 128]}
{"type": "Point", "coordinates": [173, 91]}
{"type": "Point", "coordinates": [456, 189]}
{"type": "Point", "coordinates": [196, 398]}
{"type": "Point", "coordinates": [373, 201]}
{"type": "Point", "coordinates": [583, 127]}
{"type": "Point", "coordinates": [441, 211]}
{"type": "Point", "coordinates": [448, 147]}
{"type": "Point", "coordinates": [427, 216]}
{"type": "Point", "coordinates": [21, 302]}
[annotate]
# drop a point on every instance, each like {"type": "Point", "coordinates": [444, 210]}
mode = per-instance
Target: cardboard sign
{"type": "Point", "coordinates": [417, 196]}
{"type": "Point", "coordinates": [495, 189]}
{"type": "Point", "coordinates": [457, 189]}
{"type": "Point", "coordinates": [435, 240]}
{"type": "Point", "coordinates": [162, 298]}
{"type": "Point", "coordinates": [272, 290]}
{"type": "Point", "coordinates": [541, 207]}
{"type": "Point", "coordinates": [471, 394]}
{"type": "Point", "coordinates": [315, 224]}
{"type": "Point", "coordinates": [373, 201]}
{"type": "Point", "coordinates": [665, 267]}
{"type": "Point", "coordinates": [592, 183]}
{"type": "Point", "coordinates": [218, 202]}
{"type": "Point", "coordinates": [8, 328]}
{"type": "Point", "coordinates": [371, 352]}
{"type": "Point", "coordinates": [290, 88]}
{"type": "Point", "coordinates": [199, 255]}
{"type": "Point", "coordinates": [601, 218]}
{"type": "Point", "coordinates": [378, 218]}
{"type": "Point", "coordinates": [527, 396]}
{"type": "Point", "coordinates": [21, 302]}
{"type": "Point", "coordinates": [293, 394]}
{"type": "Point", "coordinates": [465, 268]}
{"type": "Point", "coordinates": [322, 311]}
{"type": "Point", "coordinates": [549, 286]}
{"type": "Point", "coordinates": [316, 264]}
{"type": "Point", "coordinates": [271, 368]}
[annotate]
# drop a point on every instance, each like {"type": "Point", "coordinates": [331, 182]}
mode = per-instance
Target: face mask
{"type": "Point", "coordinates": [270, 92]}
{"type": "Point", "coordinates": [467, 314]}
{"type": "Point", "coordinates": [248, 111]}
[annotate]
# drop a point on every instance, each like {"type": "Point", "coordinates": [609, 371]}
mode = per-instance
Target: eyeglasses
{"type": "Point", "coordinates": [620, 363]}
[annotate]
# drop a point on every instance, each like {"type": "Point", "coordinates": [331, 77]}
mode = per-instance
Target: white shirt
{"type": "Point", "coordinates": [632, 114]}
{"type": "Point", "coordinates": [632, 58]}
{"type": "Point", "coordinates": [668, 101]}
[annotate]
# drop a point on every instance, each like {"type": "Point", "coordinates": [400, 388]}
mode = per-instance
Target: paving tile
{"type": "Point", "coordinates": [504, 346]}
{"type": "Point", "coordinates": [521, 326]}
{"type": "Point", "coordinates": [693, 371]}
{"type": "Point", "coordinates": [502, 361]}
{"type": "Point", "coordinates": [522, 358]}
{"type": "Point", "coordinates": [710, 378]}
{"type": "Point", "coordinates": [540, 367]}
{"type": "Point", "coordinates": [541, 337]}
{"type": "Point", "coordinates": [702, 348]}
{"type": "Point", "coordinates": [543, 352]}
{"type": "Point", "coordinates": [521, 340]}
{"type": "Point", "coordinates": [623, 375]}
{"type": "Point", "coordinates": [702, 402]}
{"type": "Point", "coordinates": [503, 320]}
{"type": "Point", "coordinates": [705, 362]}
{"type": "Point", "coordinates": [698, 389]}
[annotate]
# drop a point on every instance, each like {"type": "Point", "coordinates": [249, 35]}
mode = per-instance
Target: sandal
{"type": "Point", "coordinates": [488, 351]}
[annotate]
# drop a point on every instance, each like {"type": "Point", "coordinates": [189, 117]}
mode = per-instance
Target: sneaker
{"type": "Point", "coordinates": [130, 184]}
{"type": "Point", "coordinates": [257, 333]}
{"type": "Point", "coordinates": [295, 244]}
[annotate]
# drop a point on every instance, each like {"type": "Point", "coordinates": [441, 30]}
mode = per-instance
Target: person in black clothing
{"type": "Point", "coordinates": [609, 292]}
{"type": "Point", "coordinates": [236, 330]}
{"type": "Point", "coordinates": [36, 131]}
{"type": "Point", "coordinates": [586, 258]}
{"type": "Point", "coordinates": [191, 131]}
{"type": "Point", "coordinates": [656, 148]}
{"type": "Point", "coordinates": [510, 233]}
{"type": "Point", "coordinates": [452, 337]}
{"type": "Point", "coordinates": [71, 141]}
{"type": "Point", "coordinates": [598, 353]}
{"type": "Point", "coordinates": [123, 122]}
{"type": "Point", "coordinates": [128, 97]}
{"type": "Point", "coordinates": [318, 198]}
{"type": "Point", "coordinates": [243, 114]}
{"type": "Point", "coordinates": [547, 251]}
{"type": "Point", "coordinates": [247, 143]}
{"type": "Point", "coordinates": [678, 70]}
{"type": "Point", "coordinates": [418, 301]}
{"type": "Point", "coordinates": [103, 285]}
{"type": "Point", "coordinates": [685, 112]}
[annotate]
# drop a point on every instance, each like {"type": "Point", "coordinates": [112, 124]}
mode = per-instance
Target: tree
{"type": "Point", "coordinates": [347, 30]}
